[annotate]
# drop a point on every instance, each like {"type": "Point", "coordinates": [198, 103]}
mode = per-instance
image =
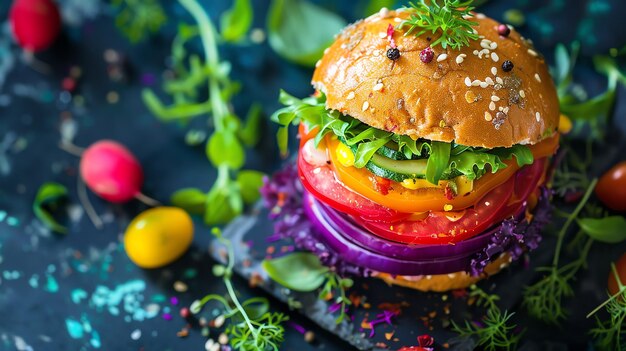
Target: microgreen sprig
{"type": "Point", "coordinates": [495, 332]}
{"type": "Point", "coordinates": [225, 147]}
{"type": "Point", "coordinates": [335, 289]}
{"type": "Point", "coordinates": [448, 18]}
{"type": "Point", "coordinates": [138, 18]}
{"type": "Point", "coordinates": [252, 327]}
{"type": "Point", "coordinates": [611, 334]}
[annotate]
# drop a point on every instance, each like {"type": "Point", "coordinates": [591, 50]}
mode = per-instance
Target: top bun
{"type": "Point", "coordinates": [455, 97]}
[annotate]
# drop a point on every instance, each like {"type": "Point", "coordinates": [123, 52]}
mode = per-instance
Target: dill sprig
{"type": "Point", "coordinates": [543, 300]}
{"type": "Point", "coordinates": [252, 327]}
{"type": "Point", "coordinates": [449, 18]}
{"type": "Point", "coordinates": [495, 331]}
{"type": "Point", "coordinates": [611, 334]}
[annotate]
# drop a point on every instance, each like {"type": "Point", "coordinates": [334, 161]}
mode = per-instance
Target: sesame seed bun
{"type": "Point", "coordinates": [445, 282]}
{"type": "Point", "coordinates": [433, 100]}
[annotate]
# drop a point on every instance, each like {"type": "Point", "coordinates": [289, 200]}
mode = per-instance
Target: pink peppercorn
{"type": "Point", "coordinates": [504, 30]}
{"type": "Point", "coordinates": [427, 55]}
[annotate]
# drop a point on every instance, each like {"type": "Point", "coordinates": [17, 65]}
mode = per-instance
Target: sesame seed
{"type": "Point", "coordinates": [532, 52]}
{"type": "Point", "coordinates": [488, 117]}
{"type": "Point", "coordinates": [397, 20]}
{"type": "Point", "coordinates": [350, 95]}
{"type": "Point", "coordinates": [470, 97]}
{"type": "Point", "coordinates": [500, 108]}
{"type": "Point", "coordinates": [442, 57]}
{"type": "Point", "coordinates": [382, 35]}
{"type": "Point", "coordinates": [499, 80]}
{"type": "Point", "coordinates": [537, 77]}
{"type": "Point", "coordinates": [489, 80]}
{"type": "Point", "coordinates": [459, 59]}
{"type": "Point", "coordinates": [326, 51]}
{"type": "Point", "coordinates": [494, 71]}
{"type": "Point", "coordinates": [506, 110]}
{"type": "Point", "coordinates": [476, 83]}
{"type": "Point", "coordinates": [383, 12]}
{"type": "Point", "coordinates": [365, 106]}
{"type": "Point", "coordinates": [492, 106]}
{"type": "Point", "coordinates": [451, 275]}
{"type": "Point", "coordinates": [474, 31]}
{"type": "Point", "coordinates": [495, 57]}
{"type": "Point", "coordinates": [494, 45]}
{"type": "Point", "coordinates": [318, 63]}
{"type": "Point", "coordinates": [468, 81]}
{"type": "Point", "coordinates": [486, 44]}
{"type": "Point", "coordinates": [475, 52]}
{"type": "Point", "coordinates": [484, 84]}
{"type": "Point", "coordinates": [537, 116]}
{"type": "Point", "coordinates": [480, 16]}
{"type": "Point", "coordinates": [495, 98]}
{"type": "Point", "coordinates": [378, 87]}
{"type": "Point", "coordinates": [522, 94]}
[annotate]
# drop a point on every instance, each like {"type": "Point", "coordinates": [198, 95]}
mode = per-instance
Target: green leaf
{"type": "Point", "coordinates": [609, 230]}
{"type": "Point", "coordinates": [223, 148]}
{"type": "Point", "coordinates": [177, 112]}
{"type": "Point", "coordinates": [282, 137]}
{"type": "Point", "coordinates": [366, 150]}
{"type": "Point", "coordinates": [373, 6]}
{"type": "Point", "coordinates": [437, 161]}
{"type": "Point", "coordinates": [190, 199]}
{"type": "Point", "coordinates": [218, 209]}
{"type": "Point", "coordinates": [522, 154]}
{"type": "Point", "coordinates": [236, 21]}
{"type": "Point", "coordinates": [249, 183]}
{"type": "Point", "coordinates": [48, 197]}
{"type": "Point", "coordinates": [250, 133]}
{"type": "Point", "coordinates": [300, 271]}
{"type": "Point", "coordinates": [288, 19]}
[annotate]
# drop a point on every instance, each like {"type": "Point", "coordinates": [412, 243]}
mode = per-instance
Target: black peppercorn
{"type": "Point", "coordinates": [507, 66]}
{"type": "Point", "coordinates": [393, 54]}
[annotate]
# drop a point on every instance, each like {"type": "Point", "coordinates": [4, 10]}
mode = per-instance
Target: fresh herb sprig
{"type": "Point", "coordinates": [303, 271]}
{"type": "Point", "coordinates": [234, 187]}
{"type": "Point", "coordinates": [495, 331]}
{"type": "Point", "coordinates": [251, 326]}
{"type": "Point", "coordinates": [445, 160]}
{"type": "Point", "coordinates": [138, 18]}
{"type": "Point", "coordinates": [611, 334]}
{"type": "Point", "coordinates": [448, 18]}
{"type": "Point", "coordinates": [543, 300]}
{"type": "Point", "coordinates": [49, 196]}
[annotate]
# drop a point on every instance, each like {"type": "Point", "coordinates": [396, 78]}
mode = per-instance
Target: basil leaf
{"type": "Point", "coordinates": [249, 183]}
{"type": "Point", "coordinates": [609, 230]}
{"type": "Point", "coordinates": [190, 199]}
{"type": "Point", "coordinates": [49, 197]}
{"type": "Point", "coordinates": [250, 134]}
{"type": "Point", "coordinates": [289, 19]}
{"type": "Point", "coordinates": [300, 271]}
{"type": "Point", "coordinates": [218, 209]}
{"type": "Point", "coordinates": [437, 161]}
{"type": "Point", "coordinates": [223, 148]}
{"type": "Point", "coordinates": [366, 150]}
{"type": "Point", "coordinates": [236, 21]}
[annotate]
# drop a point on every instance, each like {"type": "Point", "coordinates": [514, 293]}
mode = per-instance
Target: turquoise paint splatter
{"type": "Point", "coordinates": [52, 286]}
{"type": "Point", "coordinates": [78, 295]}
{"type": "Point", "coordinates": [95, 340]}
{"type": "Point", "coordinates": [125, 298]}
{"type": "Point", "coordinates": [11, 275]}
{"type": "Point", "coordinates": [13, 221]}
{"type": "Point", "coordinates": [74, 328]}
{"type": "Point", "coordinates": [3, 215]}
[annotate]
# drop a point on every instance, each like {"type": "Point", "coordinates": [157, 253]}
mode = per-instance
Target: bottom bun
{"type": "Point", "coordinates": [444, 282]}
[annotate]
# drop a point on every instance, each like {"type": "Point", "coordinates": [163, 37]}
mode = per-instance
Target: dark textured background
{"type": "Point", "coordinates": [33, 311]}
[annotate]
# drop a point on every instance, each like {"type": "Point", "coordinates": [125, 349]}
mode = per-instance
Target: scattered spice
{"type": "Point", "coordinates": [393, 54]}
{"type": "Point", "coordinates": [427, 55]}
{"type": "Point", "coordinates": [507, 66]}
{"type": "Point", "coordinates": [309, 337]}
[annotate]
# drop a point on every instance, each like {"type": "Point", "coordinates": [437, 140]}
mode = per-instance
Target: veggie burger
{"type": "Point", "coordinates": [424, 150]}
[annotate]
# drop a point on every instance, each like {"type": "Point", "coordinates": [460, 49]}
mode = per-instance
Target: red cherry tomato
{"type": "Point", "coordinates": [611, 188]}
{"type": "Point", "coordinates": [620, 266]}
{"type": "Point", "coordinates": [35, 23]}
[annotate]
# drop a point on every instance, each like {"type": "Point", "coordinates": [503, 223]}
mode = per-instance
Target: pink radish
{"type": "Point", "coordinates": [111, 171]}
{"type": "Point", "coordinates": [35, 23]}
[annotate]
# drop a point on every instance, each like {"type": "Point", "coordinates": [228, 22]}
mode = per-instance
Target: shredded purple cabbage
{"type": "Point", "coordinates": [282, 194]}
{"type": "Point", "coordinates": [515, 236]}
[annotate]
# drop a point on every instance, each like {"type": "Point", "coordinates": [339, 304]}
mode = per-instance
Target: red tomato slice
{"type": "Point", "coordinates": [437, 228]}
{"type": "Point", "coordinates": [321, 182]}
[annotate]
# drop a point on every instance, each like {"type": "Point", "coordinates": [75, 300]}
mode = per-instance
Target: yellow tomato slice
{"type": "Point", "coordinates": [399, 198]}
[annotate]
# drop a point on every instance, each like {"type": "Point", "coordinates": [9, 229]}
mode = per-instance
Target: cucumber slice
{"type": "Point", "coordinates": [391, 151]}
{"type": "Point", "coordinates": [395, 169]}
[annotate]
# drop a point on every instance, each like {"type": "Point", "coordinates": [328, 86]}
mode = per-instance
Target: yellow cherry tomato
{"type": "Point", "coordinates": [158, 236]}
{"type": "Point", "coordinates": [565, 124]}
